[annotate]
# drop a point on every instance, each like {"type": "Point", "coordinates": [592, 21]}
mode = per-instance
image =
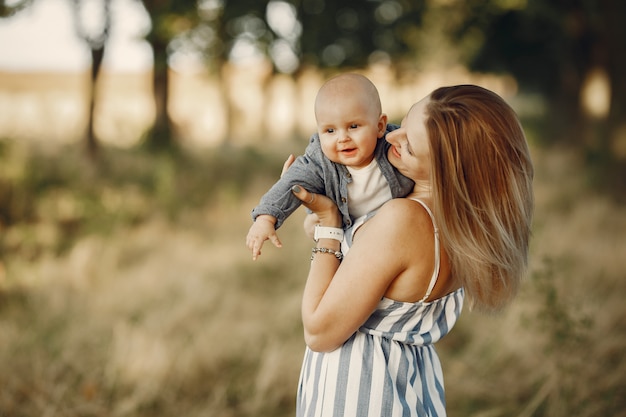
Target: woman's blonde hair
{"type": "Point", "coordinates": [482, 189]}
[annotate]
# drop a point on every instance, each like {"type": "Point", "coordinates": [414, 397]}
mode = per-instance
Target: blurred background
{"type": "Point", "coordinates": [137, 135]}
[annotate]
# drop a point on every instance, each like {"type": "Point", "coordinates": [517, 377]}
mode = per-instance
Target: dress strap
{"type": "Point", "coordinates": [433, 279]}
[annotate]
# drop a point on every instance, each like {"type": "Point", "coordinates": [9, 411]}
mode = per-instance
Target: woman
{"type": "Point", "coordinates": [370, 320]}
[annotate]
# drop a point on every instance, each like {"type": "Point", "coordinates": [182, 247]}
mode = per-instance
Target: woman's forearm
{"type": "Point", "coordinates": [318, 323]}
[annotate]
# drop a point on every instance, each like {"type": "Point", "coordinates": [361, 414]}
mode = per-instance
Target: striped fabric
{"type": "Point", "coordinates": [388, 368]}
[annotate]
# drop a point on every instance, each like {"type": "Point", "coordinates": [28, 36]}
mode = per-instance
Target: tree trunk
{"type": "Point", "coordinates": [614, 12]}
{"type": "Point", "coordinates": [97, 55]}
{"type": "Point", "coordinates": [160, 137]}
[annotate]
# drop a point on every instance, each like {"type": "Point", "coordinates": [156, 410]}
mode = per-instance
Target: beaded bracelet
{"type": "Point", "coordinates": [337, 253]}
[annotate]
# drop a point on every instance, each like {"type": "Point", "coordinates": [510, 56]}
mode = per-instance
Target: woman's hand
{"type": "Point", "coordinates": [311, 219]}
{"type": "Point", "coordinates": [323, 207]}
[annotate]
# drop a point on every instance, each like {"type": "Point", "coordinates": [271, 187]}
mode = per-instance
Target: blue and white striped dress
{"type": "Point", "coordinates": [389, 367]}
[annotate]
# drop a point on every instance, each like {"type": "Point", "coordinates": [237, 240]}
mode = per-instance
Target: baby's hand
{"type": "Point", "coordinates": [261, 230]}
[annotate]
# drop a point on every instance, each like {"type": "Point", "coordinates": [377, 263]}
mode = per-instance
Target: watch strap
{"type": "Point", "coordinates": [322, 232]}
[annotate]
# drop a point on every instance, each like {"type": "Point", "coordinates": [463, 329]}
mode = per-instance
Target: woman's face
{"type": "Point", "coordinates": [410, 152]}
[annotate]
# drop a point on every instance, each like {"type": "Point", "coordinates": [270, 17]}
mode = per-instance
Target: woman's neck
{"type": "Point", "coordinates": [421, 190]}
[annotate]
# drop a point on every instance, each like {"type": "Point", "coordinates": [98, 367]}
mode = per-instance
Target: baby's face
{"type": "Point", "coordinates": [349, 128]}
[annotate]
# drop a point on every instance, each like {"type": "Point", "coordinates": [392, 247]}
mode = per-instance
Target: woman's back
{"type": "Point", "coordinates": [417, 257]}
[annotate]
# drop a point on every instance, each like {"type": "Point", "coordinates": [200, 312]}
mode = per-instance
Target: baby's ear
{"type": "Point", "coordinates": [382, 125]}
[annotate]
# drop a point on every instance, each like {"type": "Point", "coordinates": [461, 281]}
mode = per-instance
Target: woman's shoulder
{"type": "Point", "coordinates": [411, 208]}
{"type": "Point", "coordinates": [404, 213]}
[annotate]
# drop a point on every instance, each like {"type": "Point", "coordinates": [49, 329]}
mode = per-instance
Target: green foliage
{"type": "Point", "coordinates": [568, 328]}
{"type": "Point", "coordinates": [170, 17]}
{"type": "Point", "coordinates": [551, 47]}
{"type": "Point", "coordinates": [538, 44]}
{"type": "Point", "coordinates": [334, 34]}
{"type": "Point", "coordinates": [346, 33]}
{"type": "Point", "coordinates": [74, 198]}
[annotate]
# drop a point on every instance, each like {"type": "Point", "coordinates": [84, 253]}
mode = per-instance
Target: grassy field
{"type": "Point", "coordinates": [126, 290]}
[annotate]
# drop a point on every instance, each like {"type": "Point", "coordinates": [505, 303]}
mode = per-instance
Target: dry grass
{"type": "Point", "coordinates": [161, 312]}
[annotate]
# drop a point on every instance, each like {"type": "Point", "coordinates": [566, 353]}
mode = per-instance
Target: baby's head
{"type": "Point", "coordinates": [349, 119]}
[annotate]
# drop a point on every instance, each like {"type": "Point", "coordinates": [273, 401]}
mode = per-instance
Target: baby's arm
{"type": "Point", "coordinates": [261, 230]}
{"type": "Point", "coordinates": [279, 202]}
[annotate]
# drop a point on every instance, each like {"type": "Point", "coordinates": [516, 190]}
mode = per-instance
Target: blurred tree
{"type": "Point", "coordinates": [610, 55]}
{"type": "Point", "coordinates": [351, 33]}
{"type": "Point", "coordinates": [205, 30]}
{"type": "Point", "coordinates": [294, 34]}
{"type": "Point", "coordinates": [169, 19]}
{"type": "Point", "coordinates": [95, 36]}
{"type": "Point", "coordinates": [552, 47]}
{"type": "Point", "coordinates": [291, 33]}
{"type": "Point", "coordinates": [9, 8]}
{"type": "Point", "coordinates": [343, 33]}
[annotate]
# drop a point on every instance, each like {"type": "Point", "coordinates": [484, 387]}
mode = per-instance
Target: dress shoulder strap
{"type": "Point", "coordinates": [433, 279]}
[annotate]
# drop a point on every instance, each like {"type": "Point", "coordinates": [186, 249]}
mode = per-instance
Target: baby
{"type": "Point", "coordinates": [346, 160]}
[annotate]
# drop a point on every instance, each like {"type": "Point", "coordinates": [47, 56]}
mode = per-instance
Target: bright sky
{"type": "Point", "coordinates": [42, 38]}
